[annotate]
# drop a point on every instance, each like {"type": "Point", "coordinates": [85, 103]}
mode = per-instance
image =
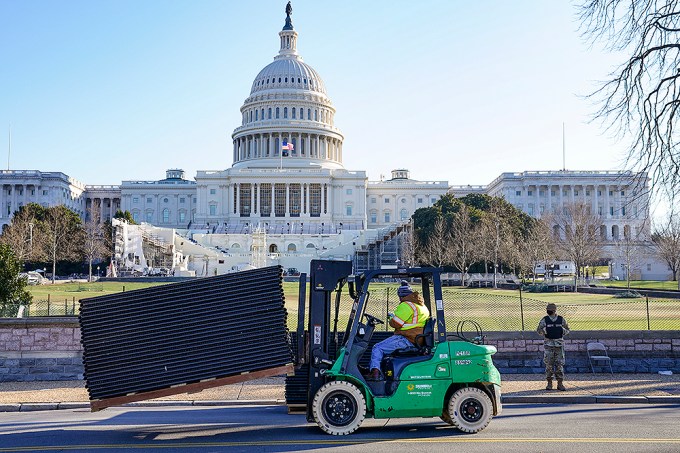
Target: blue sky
{"type": "Point", "coordinates": [106, 91]}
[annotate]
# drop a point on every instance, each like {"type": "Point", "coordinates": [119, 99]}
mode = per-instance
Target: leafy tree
{"type": "Point", "coordinates": [13, 291]}
{"type": "Point", "coordinates": [640, 101]}
{"type": "Point", "coordinates": [125, 215]}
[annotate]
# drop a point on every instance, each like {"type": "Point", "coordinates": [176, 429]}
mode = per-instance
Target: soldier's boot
{"type": "Point", "coordinates": [560, 386]}
{"type": "Point", "coordinates": [549, 386]}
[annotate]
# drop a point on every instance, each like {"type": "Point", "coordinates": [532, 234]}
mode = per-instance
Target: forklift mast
{"type": "Point", "coordinates": [324, 278]}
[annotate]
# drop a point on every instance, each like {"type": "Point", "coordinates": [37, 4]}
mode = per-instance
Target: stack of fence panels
{"type": "Point", "coordinates": [202, 331]}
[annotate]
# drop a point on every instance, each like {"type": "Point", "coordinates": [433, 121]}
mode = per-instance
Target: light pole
{"type": "Point", "coordinates": [97, 272]}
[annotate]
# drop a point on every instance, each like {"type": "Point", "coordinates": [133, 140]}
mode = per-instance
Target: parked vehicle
{"type": "Point", "coordinates": [555, 268]}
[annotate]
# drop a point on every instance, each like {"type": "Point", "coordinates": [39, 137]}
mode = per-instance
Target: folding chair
{"type": "Point", "coordinates": [597, 352]}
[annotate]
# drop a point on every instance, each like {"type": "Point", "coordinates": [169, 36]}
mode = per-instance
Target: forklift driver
{"type": "Point", "coordinates": [408, 321]}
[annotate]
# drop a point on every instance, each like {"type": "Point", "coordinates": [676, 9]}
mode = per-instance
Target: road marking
{"type": "Point", "coordinates": [455, 440]}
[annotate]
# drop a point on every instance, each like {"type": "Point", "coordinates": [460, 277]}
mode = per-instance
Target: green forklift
{"type": "Point", "coordinates": [443, 375]}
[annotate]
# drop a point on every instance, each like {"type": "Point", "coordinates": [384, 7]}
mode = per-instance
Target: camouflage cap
{"type": "Point", "coordinates": [551, 307]}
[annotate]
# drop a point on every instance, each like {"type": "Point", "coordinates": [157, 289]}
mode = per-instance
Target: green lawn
{"type": "Point", "coordinates": [642, 284]}
{"type": "Point", "coordinates": [492, 309]}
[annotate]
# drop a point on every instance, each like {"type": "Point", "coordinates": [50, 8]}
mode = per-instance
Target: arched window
{"type": "Point", "coordinates": [235, 245]}
{"type": "Point", "coordinates": [403, 214]}
{"type": "Point", "coordinates": [182, 216]}
{"type": "Point", "coordinates": [166, 215]}
{"type": "Point", "coordinates": [309, 114]}
{"type": "Point", "coordinates": [262, 114]}
{"type": "Point", "coordinates": [387, 216]}
{"type": "Point", "coordinates": [292, 111]}
{"type": "Point", "coordinates": [615, 232]}
{"type": "Point", "coordinates": [251, 116]}
{"type": "Point", "coordinates": [149, 216]}
{"type": "Point", "coordinates": [256, 115]}
{"type": "Point", "coordinates": [277, 113]}
{"type": "Point", "coordinates": [292, 248]}
{"type": "Point", "coordinates": [302, 113]}
{"type": "Point", "coordinates": [316, 115]}
{"type": "Point", "coordinates": [374, 216]}
{"type": "Point", "coordinates": [269, 113]}
{"type": "Point", "coordinates": [310, 246]}
{"type": "Point", "coordinates": [273, 248]}
{"type": "Point", "coordinates": [603, 232]}
{"type": "Point", "coordinates": [285, 112]}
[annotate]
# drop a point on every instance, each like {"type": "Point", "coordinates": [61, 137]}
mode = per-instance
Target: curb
{"type": "Point", "coordinates": [506, 399]}
{"type": "Point", "coordinates": [589, 399]}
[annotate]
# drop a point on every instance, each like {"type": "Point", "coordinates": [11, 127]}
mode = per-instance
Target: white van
{"type": "Point", "coordinates": [556, 268]}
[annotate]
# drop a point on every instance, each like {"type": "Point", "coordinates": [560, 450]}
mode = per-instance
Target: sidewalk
{"type": "Point", "coordinates": [517, 388]}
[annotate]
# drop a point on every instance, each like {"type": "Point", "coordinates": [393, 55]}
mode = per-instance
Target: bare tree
{"type": "Point", "coordinates": [464, 241]}
{"type": "Point", "coordinates": [579, 235]}
{"type": "Point", "coordinates": [409, 246]}
{"type": "Point", "coordinates": [640, 100]}
{"type": "Point", "coordinates": [95, 240]}
{"type": "Point", "coordinates": [539, 246]}
{"type": "Point", "coordinates": [437, 250]}
{"type": "Point", "coordinates": [629, 251]}
{"type": "Point", "coordinates": [63, 235]}
{"type": "Point", "coordinates": [23, 236]}
{"type": "Point", "coordinates": [667, 239]}
{"type": "Point", "coordinates": [497, 238]}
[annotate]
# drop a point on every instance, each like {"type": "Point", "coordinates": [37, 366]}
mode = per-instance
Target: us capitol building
{"type": "Point", "coordinates": [287, 197]}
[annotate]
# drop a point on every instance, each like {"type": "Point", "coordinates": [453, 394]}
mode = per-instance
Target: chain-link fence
{"type": "Point", "coordinates": [493, 310]}
{"type": "Point", "coordinates": [514, 312]}
{"type": "Point", "coordinates": [52, 307]}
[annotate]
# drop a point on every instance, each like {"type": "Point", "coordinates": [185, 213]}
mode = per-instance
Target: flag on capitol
{"type": "Point", "coordinates": [285, 147]}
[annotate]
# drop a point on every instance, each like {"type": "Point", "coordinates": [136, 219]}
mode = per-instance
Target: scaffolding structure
{"type": "Point", "coordinates": [259, 256]}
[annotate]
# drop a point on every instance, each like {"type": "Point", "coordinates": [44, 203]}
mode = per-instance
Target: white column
{"type": "Point", "coordinates": [571, 194]}
{"type": "Point", "coordinates": [238, 199]}
{"type": "Point", "coordinates": [101, 210]}
{"type": "Point", "coordinates": [318, 146]}
{"type": "Point", "coordinates": [273, 213]}
{"type": "Point", "coordinates": [287, 200]}
{"type": "Point", "coordinates": [607, 203]}
{"type": "Point", "coordinates": [2, 201]}
{"type": "Point", "coordinates": [15, 199]}
{"type": "Point", "coordinates": [252, 198]}
{"type": "Point", "coordinates": [308, 145]}
{"type": "Point", "coordinates": [537, 202]}
{"type": "Point", "coordinates": [548, 208]}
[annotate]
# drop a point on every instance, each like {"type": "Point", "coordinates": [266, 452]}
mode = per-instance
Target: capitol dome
{"type": "Point", "coordinates": [288, 119]}
{"type": "Point", "coordinates": [288, 73]}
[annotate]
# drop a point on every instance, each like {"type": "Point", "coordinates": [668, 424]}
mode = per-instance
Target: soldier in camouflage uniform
{"type": "Point", "coordinates": [553, 328]}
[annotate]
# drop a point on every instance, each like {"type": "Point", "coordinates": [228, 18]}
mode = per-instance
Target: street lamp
{"type": "Point", "coordinates": [97, 272]}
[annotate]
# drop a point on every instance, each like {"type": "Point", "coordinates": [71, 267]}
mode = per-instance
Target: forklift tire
{"type": "Point", "coordinates": [339, 407]}
{"type": "Point", "coordinates": [446, 418]}
{"type": "Point", "coordinates": [470, 410]}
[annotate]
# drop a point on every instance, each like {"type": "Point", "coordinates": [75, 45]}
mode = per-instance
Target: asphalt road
{"type": "Point", "coordinates": [521, 428]}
